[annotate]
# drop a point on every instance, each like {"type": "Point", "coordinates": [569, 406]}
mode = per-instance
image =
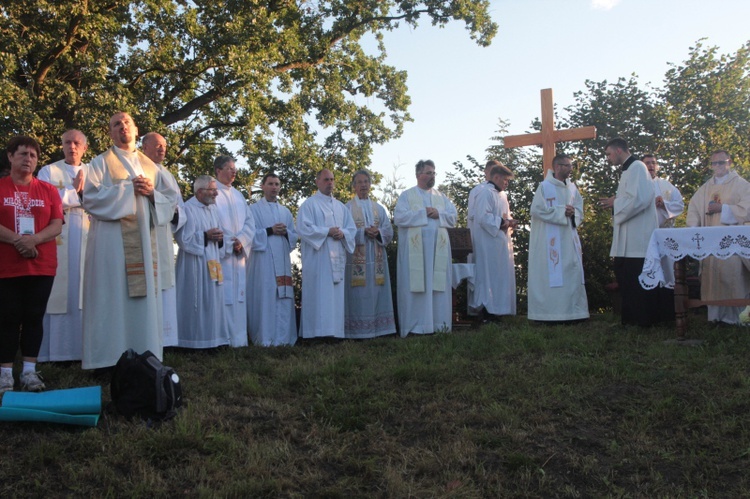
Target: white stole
{"type": "Point", "coordinates": [416, 255]}
{"type": "Point", "coordinates": [336, 250]}
{"type": "Point", "coordinates": [281, 264]}
{"type": "Point", "coordinates": [554, 247]}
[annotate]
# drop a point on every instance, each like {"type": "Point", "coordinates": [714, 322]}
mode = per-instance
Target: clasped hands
{"type": "Point", "coordinates": [336, 233]}
{"type": "Point", "coordinates": [279, 229]}
{"type": "Point", "coordinates": [26, 246]}
{"type": "Point", "coordinates": [508, 223]}
{"type": "Point", "coordinates": [432, 212]}
{"type": "Point", "coordinates": [372, 232]}
{"type": "Point", "coordinates": [215, 235]}
{"type": "Point", "coordinates": [143, 186]}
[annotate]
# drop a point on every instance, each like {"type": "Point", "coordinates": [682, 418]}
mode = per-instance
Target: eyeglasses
{"type": "Point", "coordinates": [719, 163]}
{"type": "Point", "coordinates": [428, 173]}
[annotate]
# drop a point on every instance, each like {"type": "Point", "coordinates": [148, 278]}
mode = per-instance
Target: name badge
{"type": "Point", "coordinates": [26, 225]}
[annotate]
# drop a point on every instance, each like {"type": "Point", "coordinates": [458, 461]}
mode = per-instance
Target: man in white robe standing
{"type": "Point", "coordinates": [477, 188]}
{"type": "Point", "coordinates": [634, 219]}
{"type": "Point", "coordinates": [668, 200]}
{"type": "Point", "coordinates": [556, 287]}
{"type": "Point", "coordinates": [491, 237]}
{"type": "Point", "coordinates": [424, 295]}
{"type": "Point", "coordinates": [723, 200]}
{"type": "Point", "coordinates": [271, 314]}
{"type": "Point", "coordinates": [154, 146]}
{"type": "Point", "coordinates": [470, 222]}
{"type": "Point", "coordinates": [369, 302]}
{"type": "Point", "coordinates": [200, 295]}
{"type": "Point", "coordinates": [326, 230]}
{"type": "Point", "coordinates": [62, 340]}
{"type": "Point", "coordinates": [127, 197]}
{"type": "Point", "coordinates": [238, 227]}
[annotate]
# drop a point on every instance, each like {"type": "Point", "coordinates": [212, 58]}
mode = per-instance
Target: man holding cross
{"type": "Point", "coordinates": [723, 200]}
{"type": "Point", "coordinates": [634, 219]}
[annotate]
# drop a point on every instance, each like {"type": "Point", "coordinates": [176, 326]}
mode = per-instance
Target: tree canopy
{"type": "Point", "coordinates": [291, 83]}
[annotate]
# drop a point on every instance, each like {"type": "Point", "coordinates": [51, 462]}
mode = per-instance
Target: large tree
{"type": "Point", "coordinates": [291, 84]}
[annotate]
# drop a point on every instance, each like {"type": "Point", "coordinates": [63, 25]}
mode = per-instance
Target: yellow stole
{"type": "Point", "coordinates": [131, 237]}
{"type": "Point", "coordinates": [359, 258]}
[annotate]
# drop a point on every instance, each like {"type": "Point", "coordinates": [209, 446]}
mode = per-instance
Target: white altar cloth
{"type": "Point", "coordinates": [461, 271]}
{"type": "Point", "coordinates": [669, 245]}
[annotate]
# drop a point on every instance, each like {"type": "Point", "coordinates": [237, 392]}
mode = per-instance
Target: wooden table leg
{"type": "Point", "coordinates": [680, 299]}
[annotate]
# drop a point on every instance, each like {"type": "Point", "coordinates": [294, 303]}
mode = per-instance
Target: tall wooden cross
{"type": "Point", "coordinates": [549, 136]}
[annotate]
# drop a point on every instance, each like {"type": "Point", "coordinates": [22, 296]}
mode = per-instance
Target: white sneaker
{"type": "Point", "coordinates": [6, 382]}
{"type": "Point", "coordinates": [32, 382]}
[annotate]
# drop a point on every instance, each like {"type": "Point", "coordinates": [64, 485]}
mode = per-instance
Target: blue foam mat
{"type": "Point", "coordinates": [78, 406]}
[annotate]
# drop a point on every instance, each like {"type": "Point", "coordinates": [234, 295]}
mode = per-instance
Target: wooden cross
{"type": "Point", "coordinates": [549, 136]}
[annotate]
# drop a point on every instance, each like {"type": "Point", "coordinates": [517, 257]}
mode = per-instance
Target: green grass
{"type": "Point", "coordinates": [510, 410]}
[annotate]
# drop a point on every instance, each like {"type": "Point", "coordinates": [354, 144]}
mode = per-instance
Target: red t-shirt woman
{"type": "Point", "coordinates": [31, 218]}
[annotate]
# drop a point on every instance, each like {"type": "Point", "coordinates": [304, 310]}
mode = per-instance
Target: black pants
{"type": "Point", "coordinates": [640, 306]}
{"type": "Point", "coordinates": [23, 301]}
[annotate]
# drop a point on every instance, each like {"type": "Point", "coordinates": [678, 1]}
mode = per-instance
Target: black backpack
{"type": "Point", "coordinates": [141, 385]}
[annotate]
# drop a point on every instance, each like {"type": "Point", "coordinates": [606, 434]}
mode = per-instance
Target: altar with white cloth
{"type": "Point", "coordinates": [669, 247]}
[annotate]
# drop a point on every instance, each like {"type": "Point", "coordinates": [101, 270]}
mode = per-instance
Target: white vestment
{"type": "Point", "coordinates": [494, 267]}
{"type": "Point", "coordinates": [634, 213]}
{"type": "Point", "coordinates": [113, 321]}
{"type": "Point", "coordinates": [271, 315]}
{"type": "Point", "coordinates": [167, 265]}
{"type": "Point", "coordinates": [323, 264]}
{"type": "Point", "coordinates": [730, 278]}
{"type": "Point", "coordinates": [62, 340]}
{"type": "Point", "coordinates": [369, 302]}
{"type": "Point", "coordinates": [673, 204]}
{"type": "Point", "coordinates": [200, 295]}
{"type": "Point", "coordinates": [237, 223]}
{"type": "Point", "coordinates": [423, 312]}
{"type": "Point", "coordinates": [562, 299]}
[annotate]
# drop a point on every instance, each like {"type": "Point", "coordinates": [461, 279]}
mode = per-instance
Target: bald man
{"type": "Point", "coordinates": [62, 321]}
{"type": "Point", "coordinates": [128, 200]}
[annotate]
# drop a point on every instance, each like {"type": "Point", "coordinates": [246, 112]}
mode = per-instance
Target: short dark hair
{"type": "Point", "coordinates": [23, 140]}
{"type": "Point", "coordinates": [643, 158]}
{"type": "Point", "coordinates": [267, 176]}
{"type": "Point", "coordinates": [361, 172]}
{"type": "Point", "coordinates": [619, 143]}
{"type": "Point", "coordinates": [221, 161]}
{"type": "Point", "coordinates": [560, 157]}
{"type": "Point", "coordinates": [722, 151]}
{"type": "Point", "coordinates": [501, 170]}
{"type": "Point", "coordinates": [422, 163]}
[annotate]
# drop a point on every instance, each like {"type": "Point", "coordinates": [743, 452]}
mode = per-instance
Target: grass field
{"type": "Point", "coordinates": [509, 410]}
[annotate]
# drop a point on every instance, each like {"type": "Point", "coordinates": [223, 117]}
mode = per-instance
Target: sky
{"type": "Point", "coordinates": [460, 90]}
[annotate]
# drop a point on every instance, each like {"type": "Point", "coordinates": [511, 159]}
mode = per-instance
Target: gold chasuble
{"type": "Point", "coordinates": [131, 238]}
{"type": "Point", "coordinates": [416, 256]}
{"type": "Point", "coordinates": [359, 258]}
